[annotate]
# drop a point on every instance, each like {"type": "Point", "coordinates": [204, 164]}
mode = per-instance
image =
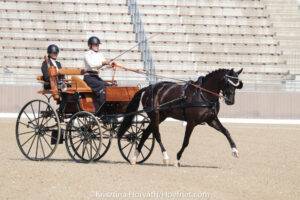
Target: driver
{"type": "Point", "coordinates": [94, 59]}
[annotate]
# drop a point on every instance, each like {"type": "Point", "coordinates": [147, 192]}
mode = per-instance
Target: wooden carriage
{"type": "Point", "coordinates": [117, 97]}
{"type": "Point", "coordinates": [87, 135]}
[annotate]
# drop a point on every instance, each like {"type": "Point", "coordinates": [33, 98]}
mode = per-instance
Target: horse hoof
{"type": "Point", "coordinates": [166, 161]}
{"type": "Point", "coordinates": [235, 153]}
{"type": "Point", "coordinates": [177, 164]}
{"type": "Point", "coordinates": [134, 157]}
{"type": "Point", "coordinates": [166, 158]}
{"type": "Point", "coordinates": [132, 162]}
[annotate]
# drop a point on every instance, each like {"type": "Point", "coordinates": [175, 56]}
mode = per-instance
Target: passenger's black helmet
{"type": "Point", "coordinates": [52, 49]}
{"type": "Point", "coordinates": [93, 40]}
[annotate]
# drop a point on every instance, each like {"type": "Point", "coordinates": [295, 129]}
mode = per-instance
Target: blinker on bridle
{"type": "Point", "coordinates": [231, 82]}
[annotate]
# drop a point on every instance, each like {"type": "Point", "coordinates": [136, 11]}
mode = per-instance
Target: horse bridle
{"type": "Point", "coordinates": [228, 77]}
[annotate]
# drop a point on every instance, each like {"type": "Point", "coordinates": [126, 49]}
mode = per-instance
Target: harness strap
{"type": "Point", "coordinates": [184, 102]}
{"type": "Point", "coordinates": [197, 86]}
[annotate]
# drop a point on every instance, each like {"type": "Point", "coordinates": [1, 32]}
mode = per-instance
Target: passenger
{"type": "Point", "coordinates": [52, 52]}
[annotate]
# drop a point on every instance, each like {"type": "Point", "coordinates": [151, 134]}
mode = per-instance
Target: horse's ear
{"type": "Point", "coordinates": [240, 86]}
{"type": "Point", "coordinates": [240, 71]}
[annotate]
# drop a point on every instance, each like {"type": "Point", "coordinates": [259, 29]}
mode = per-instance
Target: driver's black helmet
{"type": "Point", "coordinates": [93, 40]}
{"type": "Point", "coordinates": [52, 49]}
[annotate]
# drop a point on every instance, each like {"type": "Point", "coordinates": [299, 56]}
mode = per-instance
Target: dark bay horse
{"type": "Point", "coordinates": [194, 102]}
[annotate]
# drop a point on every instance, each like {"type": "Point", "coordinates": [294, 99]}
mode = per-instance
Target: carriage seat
{"type": "Point", "coordinates": [46, 85]}
{"type": "Point", "coordinates": [79, 85]}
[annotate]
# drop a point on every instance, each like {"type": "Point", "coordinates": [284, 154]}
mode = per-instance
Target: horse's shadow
{"type": "Point", "coordinates": [109, 162]}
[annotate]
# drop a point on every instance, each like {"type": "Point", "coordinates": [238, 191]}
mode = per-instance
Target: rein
{"type": "Point", "coordinates": [180, 80]}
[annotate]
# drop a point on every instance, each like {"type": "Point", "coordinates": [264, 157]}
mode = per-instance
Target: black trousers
{"type": "Point", "coordinates": [98, 87]}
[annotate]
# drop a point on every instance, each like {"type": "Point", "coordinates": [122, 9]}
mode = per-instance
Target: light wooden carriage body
{"type": "Point", "coordinates": [116, 97]}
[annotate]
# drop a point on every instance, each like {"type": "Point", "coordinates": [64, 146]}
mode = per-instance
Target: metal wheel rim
{"type": "Point", "coordinates": [142, 157]}
{"type": "Point", "coordinates": [39, 127]}
{"type": "Point", "coordinates": [74, 146]}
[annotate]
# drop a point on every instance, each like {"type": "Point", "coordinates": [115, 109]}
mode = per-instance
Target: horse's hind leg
{"type": "Point", "coordinates": [153, 128]}
{"type": "Point", "coordinates": [145, 135]}
{"type": "Point", "coordinates": [188, 131]}
{"type": "Point", "coordinates": [157, 120]}
{"type": "Point", "coordinates": [166, 158]}
{"type": "Point", "coordinates": [216, 124]}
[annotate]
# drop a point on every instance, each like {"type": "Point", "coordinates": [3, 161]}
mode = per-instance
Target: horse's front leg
{"type": "Point", "coordinates": [216, 124]}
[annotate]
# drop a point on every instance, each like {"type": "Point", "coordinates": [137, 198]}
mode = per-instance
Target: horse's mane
{"type": "Point", "coordinates": [214, 73]}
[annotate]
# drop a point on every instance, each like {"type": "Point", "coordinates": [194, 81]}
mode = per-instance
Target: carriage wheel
{"type": "Point", "coordinates": [37, 130]}
{"type": "Point", "coordinates": [131, 139]}
{"type": "Point", "coordinates": [107, 130]}
{"type": "Point", "coordinates": [83, 137]}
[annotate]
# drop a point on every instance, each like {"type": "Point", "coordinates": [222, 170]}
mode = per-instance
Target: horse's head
{"type": "Point", "coordinates": [230, 83]}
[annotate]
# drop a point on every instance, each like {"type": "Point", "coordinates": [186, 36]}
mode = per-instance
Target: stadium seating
{"type": "Point", "coordinates": [262, 36]}
{"type": "Point", "coordinates": [28, 27]}
{"type": "Point", "coordinates": [210, 34]}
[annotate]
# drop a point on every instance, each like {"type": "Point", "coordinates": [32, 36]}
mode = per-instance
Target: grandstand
{"type": "Point", "coordinates": [190, 38]}
{"type": "Point", "coordinates": [28, 27]}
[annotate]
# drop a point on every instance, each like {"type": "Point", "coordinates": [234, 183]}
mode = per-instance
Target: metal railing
{"type": "Point", "coordinates": [141, 39]}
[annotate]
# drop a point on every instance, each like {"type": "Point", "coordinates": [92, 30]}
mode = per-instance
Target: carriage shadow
{"type": "Point", "coordinates": [109, 162]}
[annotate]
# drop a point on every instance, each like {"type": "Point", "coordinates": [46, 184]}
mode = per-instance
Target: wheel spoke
{"type": "Point", "coordinates": [82, 124]}
{"type": "Point", "coordinates": [76, 142]}
{"type": "Point", "coordinates": [83, 149]}
{"type": "Point", "coordinates": [30, 120]}
{"type": "Point", "coordinates": [132, 130]}
{"type": "Point", "coordinates": [52, 137]}
{"type": "Point", "coordinates": [130, 150]}
{"type": "Point", "coordinates": [77, 148]}
{"type": "Point", "coordinates": [26, 132]}
{"type": "Point", "coordinates": [92, 141]}
{"type": "Point", "coordinates": [147, 147]}
{"type": "Point", "coordinates": [47, 121]}
{"type": "Point", "coordinates": [28, 139]}
{"type": "Point", "coordinates": [37, 146]}
{"type": "Point", "coordinates": [43, 118]}
{"type": "Point", "coordinates": [87, 150]}
{"type": "Point", "coordinates": [47, 143]}
{"type": "Point", "coordinates": [75, 136]}
{"type": "Point", "coordinates": [39, 109]}
{"type": "Point", "coordinates": [33, 111]}
{"type": "Point", "coordinates": [31, 145]}
{"type": "Point", "coordinates": [26, 125]}
{"type": "Point", "coordinates": [140, 128]}
{"type": "Point", "coordinates": [142, 155]}
{"type": "Point", "coordinates": [126, 146]}
{"type": "Point", "coordinates": [104, 145]}
{"type": "Point", "coordinates": [42, 147]}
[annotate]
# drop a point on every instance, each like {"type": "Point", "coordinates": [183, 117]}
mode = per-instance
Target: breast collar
{"type": "Point", "coordinates": [203, 102]}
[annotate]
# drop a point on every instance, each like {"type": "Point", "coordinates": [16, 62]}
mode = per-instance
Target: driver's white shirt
{"type": "Point", "coordinates": [93, 59]}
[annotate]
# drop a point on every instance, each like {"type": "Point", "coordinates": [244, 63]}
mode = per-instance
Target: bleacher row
{"type": "Point", "coordinates": [194, 36]}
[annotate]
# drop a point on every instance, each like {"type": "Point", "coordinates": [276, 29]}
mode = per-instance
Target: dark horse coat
{"type": "Point", "coordinates": [194, 102]}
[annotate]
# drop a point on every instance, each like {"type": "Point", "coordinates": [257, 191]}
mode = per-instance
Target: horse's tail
{"type": "Point", "coordinates": [132, 107]}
